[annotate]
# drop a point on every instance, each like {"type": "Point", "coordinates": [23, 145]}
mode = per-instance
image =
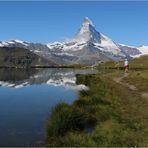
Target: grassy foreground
{"type": "Point", "coordinates": [116, 114]}
{"type": "Point", "coordinates": [108, 114]}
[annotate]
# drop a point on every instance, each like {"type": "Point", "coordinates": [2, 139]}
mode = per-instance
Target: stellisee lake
{"type": "Point", "coordinates": [27, 97]}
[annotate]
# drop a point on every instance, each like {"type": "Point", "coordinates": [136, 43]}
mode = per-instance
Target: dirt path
{"type": "Point", "coordinates": [119, 79]}
{"type": "Point", "coordinates": [131, 87]}
{"type": "Point", "coordinates": [144, 95]}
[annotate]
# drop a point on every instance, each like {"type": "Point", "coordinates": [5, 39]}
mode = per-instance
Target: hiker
{"type": "Point", "coordinates": [126, 65]}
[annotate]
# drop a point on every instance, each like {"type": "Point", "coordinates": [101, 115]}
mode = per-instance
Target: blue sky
{"type": "Point", "coordinates": [124, 22]}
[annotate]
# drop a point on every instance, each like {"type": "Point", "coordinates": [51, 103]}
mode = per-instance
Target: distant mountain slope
{"type": "Point", "coordinates": [20, 57]}
{"type": "Point", "coordinates": [129, 50]}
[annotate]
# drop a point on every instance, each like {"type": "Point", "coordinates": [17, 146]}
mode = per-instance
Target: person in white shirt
{"type": "Point", "coordinates": [126, 65]}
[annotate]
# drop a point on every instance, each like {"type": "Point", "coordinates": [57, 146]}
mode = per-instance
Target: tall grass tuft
{"type": "Point", "coordinates": [65, 118]}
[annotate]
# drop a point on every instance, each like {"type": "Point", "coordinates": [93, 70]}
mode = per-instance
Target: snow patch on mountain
{"type": "Point", "coordinates": [13, 42]}
{"type": "Point", "coordinates": [127, 46]}
{"type": "Point", "coordinates": [144, 51]}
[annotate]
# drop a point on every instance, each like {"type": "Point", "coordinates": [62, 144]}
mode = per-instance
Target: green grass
{"type": "Point", "coordinates": [64, 119]}
{"type": "Point", "coordinates": [116, 113]}
{"type": "Point", "coordinates": [140, 63]}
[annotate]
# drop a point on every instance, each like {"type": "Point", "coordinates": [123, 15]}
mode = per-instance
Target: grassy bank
{"type": "Point", "coordinates": [46, 66]}
{"type": "Point", "coordinates": [108, 114]}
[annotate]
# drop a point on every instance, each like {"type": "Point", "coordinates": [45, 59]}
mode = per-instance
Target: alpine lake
{"type": "Point", "coordinates": [27, 97]}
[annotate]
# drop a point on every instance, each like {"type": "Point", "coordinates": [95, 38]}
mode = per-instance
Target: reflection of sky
{"type": "Point", "coordinates": [23, 112]}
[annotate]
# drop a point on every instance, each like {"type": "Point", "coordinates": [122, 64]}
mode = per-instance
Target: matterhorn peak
{"type": "Point", "coordinates": [87, 21]}
{"type": "Point", "coordinates": [87, 32]}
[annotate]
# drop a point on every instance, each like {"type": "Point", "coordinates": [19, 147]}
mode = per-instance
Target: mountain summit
{"type": "Point", "coordinates": [87, 32]}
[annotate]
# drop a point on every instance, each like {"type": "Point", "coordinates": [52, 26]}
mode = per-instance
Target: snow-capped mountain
{"type": "Point", "coordinates": [88, 46]}
{"type": "Point", "coordinates": [87, 34]}
{"type": "Point", "coordinates": [34, 47]}
{"type": "Point", "coordinates": [13, 43]}
{"type": "Point", "coordinates": [42, 50]}
{"type": "Point", "coordinates": [129, 50]}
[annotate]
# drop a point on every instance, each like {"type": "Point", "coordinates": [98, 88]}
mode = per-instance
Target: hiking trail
{"type": "Point", "coordinates": [131, 87]}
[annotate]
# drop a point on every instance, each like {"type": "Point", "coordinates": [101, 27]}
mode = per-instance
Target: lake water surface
{"type": "Point", "coordinates": [27, 98]}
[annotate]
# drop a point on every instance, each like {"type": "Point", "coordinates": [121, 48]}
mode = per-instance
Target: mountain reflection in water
{"type": "Point", "coordinates": [57, 77]}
